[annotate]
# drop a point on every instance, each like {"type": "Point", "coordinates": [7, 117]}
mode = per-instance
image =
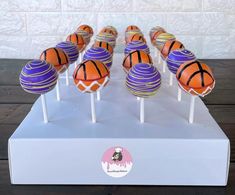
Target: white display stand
{"type": "Point", "coordinates": [165, 150]}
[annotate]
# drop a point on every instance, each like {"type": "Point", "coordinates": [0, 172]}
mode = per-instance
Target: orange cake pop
{"type": "Point", "coordinates": [195, 78]}
{"type": "Point", "coordinates": [104, 45]}
{"type": "Point", "coordinates": [136, 57]}
{"type": "Point", "coordinates": [86, 28]}
{"type": "Point", "coordinates": [170, 46]}
{"type": "Point", "coordinates": [90, 76]}
{"type": "Point", "coordinates": [78, 40]}
{"type": "Point", "coordinates": [57, 57]}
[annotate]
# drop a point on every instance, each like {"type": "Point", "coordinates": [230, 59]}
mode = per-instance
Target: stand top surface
{"type": "Point", "coordinates": [118, 114]}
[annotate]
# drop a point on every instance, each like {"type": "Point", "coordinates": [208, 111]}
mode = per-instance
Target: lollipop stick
{"type": "Point", "coordinates": [163, 66]}
{"type": "Point", "coordinates": [58, 90]}
{"type": "Point", "coordinates": [98, 95]}
{"type": "Point", "coordinates": [93, 115]}
{"type": "Point", "coordinates": [141, 110]}
{"type": "Point", "coordinates": [191, 112]}
{"type": "Point", "coordinates": [159, 58]}
{"type": "Point", "coordinates": [179, 94]}
{"type": "Point", "coordinates": [171, 79]}
{"type": "Point", "coordinates": [44, 108]}
{"type": "Point", "coordinates": [67, 76]}
{"type": "Point", "coordinates": [75, 65]}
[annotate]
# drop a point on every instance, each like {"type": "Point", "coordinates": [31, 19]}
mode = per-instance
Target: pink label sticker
{"type": "Point", "coordinates": [117, 162]}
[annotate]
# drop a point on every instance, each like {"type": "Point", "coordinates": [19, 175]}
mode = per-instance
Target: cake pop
{"type": "Point", "coordinates": [77, 40]}
{"type": "Point", "coordinates": [143, 80]}
{"type": "Point", "coordinates": [136, 45]}
{"type": "Point", "coordinates": [132, 27]}
{"type": "Point", "coordinates": [39, 77]}
{"type": "Point", "coordinates": [59, 59]}
{"type": "Point", "coordinates": [91, 76]}
{"type": "Point", "coordinates": [135, 37]}
{"type": "Point", "coordinates": [162, 38]}
{"type": "Point", "coordinates": [108, 31]}
{"type": "Point", "coordinates": [86, 28]}
{"type": "Point", "coordinates": [99, 53]}
{"type": "Point", "coordinates": [155, 30]}
{"type": "Point", "coordinates": [104, 45]}
{"type": "Point", "coordinates": [195, 78]}
{"type": "Point", "coordinates": [86, 36]}
{"type": "Point", "coordinates": [174, 60]}
{"type": "Point", "coordinates": [170, 46]}
{"type": "Point", "coordinates": [136, 57]}
{"type": "Point", "coordinates": [155, 34]}
{"type": "Point", "coordinates": [72, 52]}
{"type": "Point", "coordinates": [113, 29]}
{"type": "Point", "coordinates": [110, 39]}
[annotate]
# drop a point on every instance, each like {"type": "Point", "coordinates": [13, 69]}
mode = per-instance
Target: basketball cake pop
{"type": "Point", "coordinates": [38, 77]}
{"type": "Point", "coordinates": [91, 76]}
{"type": "Point", "coordinates": [86, 28]}
{"type": "Point", "coordinates": [143, 80]}
{"type": "Point", "coordinates": [195, 78]}
{"type": "Point", "coordinates": [154, 30]}
{"type": "Point", "coordinates": [108, 31]}
{"type": "Point", "coordinates": [110, 39]}
{"type": "Point", "coordinates": [132, 28]}
{"type": "Point", "coordinates": [59, 59]}
{"type": "Point", "coordinates": [86, 36]}
{"type": "Point", "coordinates": [77, 40]}
{"type": "Point", "coordinates": [135, 37]}
{"type": "Point", "coordinates": [170, 46]}
{"type": "Point", "coordinates": [136, 57]}
{"type": "Point", "coordinates": [104, 45]}
{"type": "Point", "coordinates": [136, 45]}
{"type": "Point", "coordinates": [162, 38]}
{"type": "Point", "coordinates": [115, 32]}
{"type": "Point", "coordinates": [99, 53]}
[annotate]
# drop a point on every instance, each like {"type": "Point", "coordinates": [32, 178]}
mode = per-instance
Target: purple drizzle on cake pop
{"type": "Point", "coordinates": [99, 53]}
{"type": "Point", "coordinates": [70, 49]}
{"type": "Point", "coordinates": [143, 80]}
{"type": "Point", "coordinates": [178, 57]}
{"type": "Point", "coordinates": [38, 77]}
{"type": "Point", "coordinates": [136, 45]}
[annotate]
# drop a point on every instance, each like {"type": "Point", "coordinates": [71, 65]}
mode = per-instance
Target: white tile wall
{"type": "Point", "coordinates": [206, 27]}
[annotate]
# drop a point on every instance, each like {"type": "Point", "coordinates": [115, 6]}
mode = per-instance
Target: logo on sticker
{"type": "Point", "coordinates": [117, 162]}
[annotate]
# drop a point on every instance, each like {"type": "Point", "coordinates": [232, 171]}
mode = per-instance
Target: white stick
{"type": "Point", "coordinates": [159, 58]}
{"type": "Point", "coordinates": [98, 95]}
{"type": "Point", "coordinates": [138, 98]}
{"type": "Point", "coordinates": [44, 108]}
{"type": "Point", "coordinates": [163, 66]}
{"type": "Point", "coordinates": [93, 115]}
{"type": "Point", "coordinates": [75, 65]}
{"type": "Point", "coordinates": [58, 90]}
{"type": "Point", "coordinates": [191, 112]}
{"type": "Point", "coordinates": [67, 76]}
{"type": "Point", "coordinates": [179, 94]}
{"type": "Point", "coordinates": [141, 110]}
{"type": "Point", "coordinates": [171, 79]}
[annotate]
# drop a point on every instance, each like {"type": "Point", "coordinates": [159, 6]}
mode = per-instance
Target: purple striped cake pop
{"type": "Point", "coordinates": [38, 77]}
{"type": "Point", "coordinates": [136, 45]}
{"type": "Point", "coordinates": [143, 80]}
{"type": "Point", "coordinates": [70, 49]}
{"type": "Point", "coordinates": [178, 57]}
{"type": "Point", "coordinates": [99, 53]}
